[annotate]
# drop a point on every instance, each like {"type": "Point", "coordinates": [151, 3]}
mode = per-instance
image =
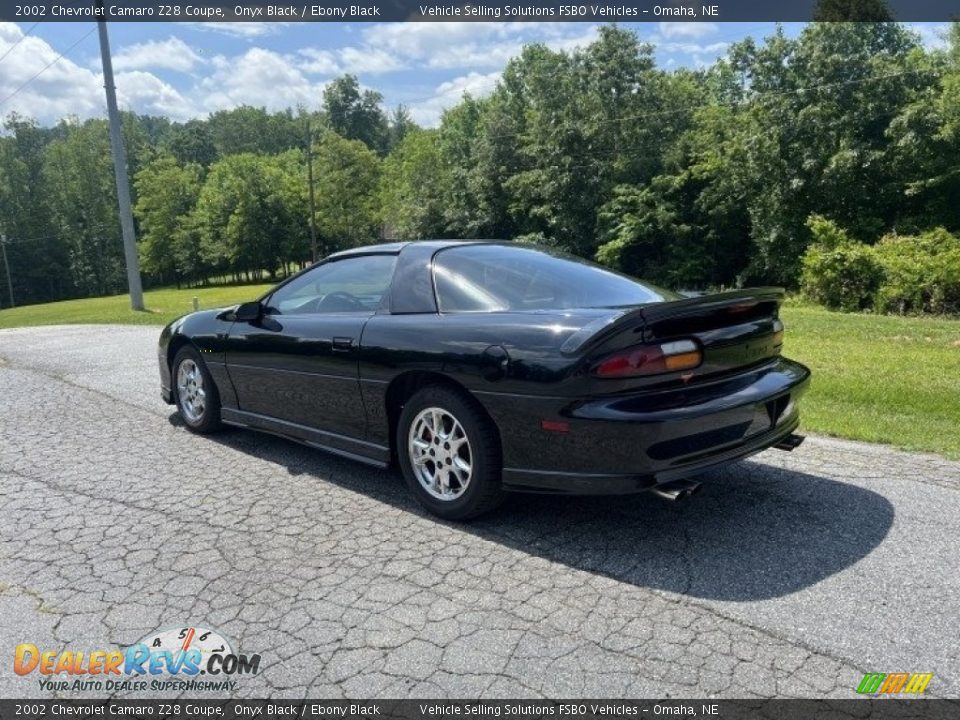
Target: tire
{"type": "Point", "coordinates": [196, 395]}
{"type": "Point", "coordinates": [458, 477]}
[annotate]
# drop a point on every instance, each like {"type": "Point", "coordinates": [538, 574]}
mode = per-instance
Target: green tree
{"type": "Point", "coordinates": [40, 267]}
{"type": "Point", "coordinates": [83, 205]}
{"type": "Point", "coordinates": [356, 114]}
{"type": "Point", "coordinates": [852, 11]}
{"type": "Point", "coordinates": [399, 126]}
{"type": "Point", "coordinates": [167, 193]}
{"type": "Point", "coordinates": [346, 185]}
{"type": "Point", "coordinates": [250, 215]}
{"type": "Point", "coordinates": [191, 142]}
{"type": "Point", "coordinates": [249, 129]}
{"type": "Point", "coordinates": [411, 188]}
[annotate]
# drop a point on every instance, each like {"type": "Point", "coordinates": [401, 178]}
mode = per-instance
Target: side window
{"type": "Point", "coordinates": [354, 284]}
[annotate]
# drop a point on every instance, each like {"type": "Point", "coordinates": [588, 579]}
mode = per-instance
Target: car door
{"type": "Point", "coordinates": [298, 362]}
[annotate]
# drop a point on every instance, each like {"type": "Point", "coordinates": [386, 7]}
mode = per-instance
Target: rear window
{"type": "Point", "coordinates": [489, 278]}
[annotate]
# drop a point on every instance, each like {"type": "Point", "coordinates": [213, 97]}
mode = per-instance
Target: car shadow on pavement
{"type": "Point", "coordinates": [754, 532]}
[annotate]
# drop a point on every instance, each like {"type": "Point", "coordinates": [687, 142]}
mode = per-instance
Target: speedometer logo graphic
{"type": "Point", "coordinates": [207, 641]}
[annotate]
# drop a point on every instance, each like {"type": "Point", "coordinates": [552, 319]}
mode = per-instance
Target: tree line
{"type": "Point", "coordinates": [687, 177]}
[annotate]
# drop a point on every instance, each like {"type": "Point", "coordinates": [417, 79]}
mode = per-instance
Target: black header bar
{"type": "Point", "coordinates": [439, 11]}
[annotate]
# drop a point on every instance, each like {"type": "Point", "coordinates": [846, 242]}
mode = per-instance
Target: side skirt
{"type": "Point", "coordinates": [342, 445]}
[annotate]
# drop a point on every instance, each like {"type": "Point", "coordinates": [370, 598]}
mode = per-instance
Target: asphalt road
{"type": "Point", "coordinates": [789, 575]}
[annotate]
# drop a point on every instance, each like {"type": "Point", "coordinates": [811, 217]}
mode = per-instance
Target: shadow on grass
{"type": "Point", "coordinates": [754, 532]}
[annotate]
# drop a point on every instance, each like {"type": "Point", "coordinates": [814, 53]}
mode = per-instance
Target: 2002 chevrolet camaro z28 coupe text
{"type": "Point", "coordinates": [483, 367]}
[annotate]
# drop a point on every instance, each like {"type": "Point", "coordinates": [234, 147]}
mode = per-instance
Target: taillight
{"type": "Point", "coordinates": [650, 360]}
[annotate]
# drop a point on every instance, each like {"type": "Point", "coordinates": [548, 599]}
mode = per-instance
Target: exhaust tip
{"type": "Point", "coordinates": [790, 442]}
{"type": "Point", "coordinates": [675, 490]}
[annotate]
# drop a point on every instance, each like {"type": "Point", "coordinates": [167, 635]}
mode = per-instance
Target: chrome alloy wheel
{"type": "Point", "coordinates": [190, 390]}
{"type": "Point", "coordinates": [440, 453]}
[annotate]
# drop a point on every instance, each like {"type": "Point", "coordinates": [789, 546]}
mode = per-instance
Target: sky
{"type": "Point", "coordinates": [187, 70]}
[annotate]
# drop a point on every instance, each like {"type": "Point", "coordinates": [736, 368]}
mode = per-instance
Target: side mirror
{"type": "Point", "coordinates": [248, 312]}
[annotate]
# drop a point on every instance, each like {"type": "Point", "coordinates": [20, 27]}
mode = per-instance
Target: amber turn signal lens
{"type": "Point", "coordinates": [683, 362]}
{"type": "Point", "coordinates": [650, 360]}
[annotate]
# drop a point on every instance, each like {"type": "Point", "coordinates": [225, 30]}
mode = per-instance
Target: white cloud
{"type": "Point", "coordinates": [67, 89]}
{"type": "Point", "coordinates": [246, 30]}
{"type": "Point", "coordinates": [319, 62]}
{"type": "Point", "coordinates": [687, 29]}
{"type": "Point", "coordinates": [349, 60]}
{"type": "Point", "coordinates": [686, 39]}
{"type": "Point", "coordinates": [147, 94]}
{"type": "Point", "coordinates": [257, 77]}
{"type": "Point", "coordinates": [717, 48]}
{"type": "Point", "coordinates": [391, 47]}
{"type": "Point", "coordinates": [64, 88]}
{"type": "Point", "coordinates": [448, 94]}
{"type": "Point", "coordinates": [171, 54]}
{"type": "Point", "coordinates": [585, 37]}
{"type": "Point", "coordinates": [369, 60]}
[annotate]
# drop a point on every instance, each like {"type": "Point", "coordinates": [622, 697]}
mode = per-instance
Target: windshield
{"type": "Point", "coordinates": [472, 278]}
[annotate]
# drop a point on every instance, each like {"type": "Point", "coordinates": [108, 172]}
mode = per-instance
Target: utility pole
{"type": "Point", "coordinates": [313, 220]}
{"type": "Point", "coordinates": [3, 246]}
{"type": "Point", "coordinates": [120, 167]}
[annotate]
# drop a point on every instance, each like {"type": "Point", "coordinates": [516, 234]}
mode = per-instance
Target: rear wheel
{"type": "Point", "coordinates": [449, 454]}
{"type": "Point", "coordinates": [197, 398]}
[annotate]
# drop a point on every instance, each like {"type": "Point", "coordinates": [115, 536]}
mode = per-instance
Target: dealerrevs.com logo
{"type": "Point", "coordinates": [169, 659]}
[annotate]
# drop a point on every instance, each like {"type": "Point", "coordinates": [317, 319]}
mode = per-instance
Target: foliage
{"type": "Point", "coordinates": [693, 178]}
{"type": "Point", "coordinates": [411, 188]}
{"type": "Point", "coordinates": [253, 130]}
{"type": "Point", "coordinates": [838, 272]}
{"type": "Point", "coordinates": [249, 213]}
{"type": "Point", "coordinates": [347, 176]}
{"type": "Point", "coordinates": [852, 11]}
{"type": "Point", "coordinates": [356, 114]}
{"type": "Point", "coordinates": [78, 174]}
{"type": "Point", "coordinates": [167, 194]}
{"type": "Point", "coordinates": [38, 254]}
{"type": "Point", "coordinates": [903, 274]}
{"type": "Point", "coordinates": [921, 274]}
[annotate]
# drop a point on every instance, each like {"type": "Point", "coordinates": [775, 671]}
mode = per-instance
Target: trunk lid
{"type": "Point", "coordinates": [734, 330]}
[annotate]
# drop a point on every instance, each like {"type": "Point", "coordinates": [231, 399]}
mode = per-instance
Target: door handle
{"type": "Point", "coordinates": [342, 343]}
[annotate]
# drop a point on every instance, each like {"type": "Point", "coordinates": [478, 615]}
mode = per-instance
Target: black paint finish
{"type": "Point", "coordinates": [338, 380]}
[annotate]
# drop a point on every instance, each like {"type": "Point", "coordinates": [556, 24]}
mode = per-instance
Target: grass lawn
{"type": "Point", "coordinates": [162, 307]}
{"type": "Point", "coordinates": [881, 379]}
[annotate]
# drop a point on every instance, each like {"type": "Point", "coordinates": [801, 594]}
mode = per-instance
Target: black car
{"type": "Point", "coordinates": [484, 367]}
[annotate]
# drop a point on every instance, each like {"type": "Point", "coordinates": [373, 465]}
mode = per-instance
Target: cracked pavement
{"type": "Point", "coordinates": [790, 574]}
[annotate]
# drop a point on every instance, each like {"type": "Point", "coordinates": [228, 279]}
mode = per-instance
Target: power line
{"type": "Point", "coordinates": [22, 38]}
{"type": "Point", "coordinates": [58, 236]}
{"type": "Point", "coordinates": [48, 66]}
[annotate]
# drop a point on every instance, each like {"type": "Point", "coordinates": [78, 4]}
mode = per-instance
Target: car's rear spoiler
{"type": "Point", "coordinates": [645, 316]}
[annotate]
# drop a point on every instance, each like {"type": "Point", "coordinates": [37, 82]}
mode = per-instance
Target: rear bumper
{"type": "Point", "coordinates": [624, 444]}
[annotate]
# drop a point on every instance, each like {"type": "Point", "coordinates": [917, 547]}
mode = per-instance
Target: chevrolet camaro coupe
{"type": "Point", "coordinates": [486, 367]}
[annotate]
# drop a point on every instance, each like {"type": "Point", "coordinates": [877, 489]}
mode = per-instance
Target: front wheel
{"type": "Point", "coordinates": [197, 398]}
{"type": "Point", "coordinates": [449, 453]}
